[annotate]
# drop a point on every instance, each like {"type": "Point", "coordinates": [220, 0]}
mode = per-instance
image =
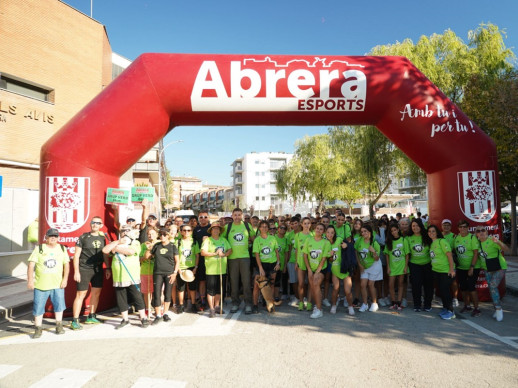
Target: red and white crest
{"type": "Point", "coordinates": [477, 198]}
{"type": "Point", "coordinates": [67, 202]}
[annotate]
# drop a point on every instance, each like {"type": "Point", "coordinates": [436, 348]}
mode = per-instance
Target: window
{"type": "Point", "coordinates": [19, 86]}
{"type": "Point", "coordinates": [257, 198]}
{"type": "Point", "coordinates": [256, 186]}
{"type": "Point", "coordinates": [275, 164]}
{"type": "Point", "coordinates": [257, 173]}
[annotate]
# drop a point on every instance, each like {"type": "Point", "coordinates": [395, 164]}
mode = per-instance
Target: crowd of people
{"type": "Point", "coordinates": [152, 266]}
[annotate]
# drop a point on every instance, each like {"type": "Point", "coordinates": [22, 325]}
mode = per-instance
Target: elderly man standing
{"type": "Point", "coordinates": [47, 275]}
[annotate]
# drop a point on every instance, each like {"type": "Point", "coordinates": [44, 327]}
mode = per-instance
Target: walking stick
{"type": "Point", "coordinates": [126, 268]}
{"type": "Point", "coordinates": [220, 288]}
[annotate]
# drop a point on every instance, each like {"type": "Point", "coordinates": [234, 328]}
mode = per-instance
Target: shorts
{"type": "Point", "coordinates": [146, 284]}
{"type": "Point", "coordinates": [192, 286]}
{"type": "Point", "coordinates": [214, 285]}
{"type": "Point", "coordinates": [57, 297]}
{"type": "Point", "coordinates": [90, 275]}
{"type": "Point", "coordinates": [201, 272]}
{"type": "Point", "coordinates": [268, 269]}
{"type": "Point", "coordinates": [467, 283]}
{"type": "Point", "coordinates": [292, 273]}
{"type": "Point", "coordinates": [374, 272]}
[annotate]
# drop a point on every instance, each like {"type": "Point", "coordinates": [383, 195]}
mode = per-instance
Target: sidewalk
{"type": "Point", "coordinates": [16, 299]}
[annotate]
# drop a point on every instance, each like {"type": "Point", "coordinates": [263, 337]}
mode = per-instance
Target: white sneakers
{"type": "Point", "coordinates": [317, 313]}
{"type": "Point", "coordinates": [326, 303]}
{"type": "Point", "coordinates": [364, 307]}
{"type": "Point", "coordinates": [345, 303]}
{"type": "Point", "coordinates": [404, 303]}
{"type": "Point", "coordinates": [499, 315]}
{"type": "Point", "coordinates": [333, 309]}
{"type": "Point", "coordinates": [455, 302]}
{"type": "Point", "coordinates": [382, 302]}
{"type": "Point", "coordinates": [374, 307]}
{"type": "Point", "coordinates": [351, 310]}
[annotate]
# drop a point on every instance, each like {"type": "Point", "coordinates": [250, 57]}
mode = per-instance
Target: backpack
{"type": "Point", "coordinates": [41, 248]}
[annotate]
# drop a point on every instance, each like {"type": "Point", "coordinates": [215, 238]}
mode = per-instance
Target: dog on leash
{"type": "Point", "coordinates": [267, 291]}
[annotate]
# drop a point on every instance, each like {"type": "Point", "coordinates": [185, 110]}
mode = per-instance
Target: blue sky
{"type": "Point", "coordinates": [336, 27]}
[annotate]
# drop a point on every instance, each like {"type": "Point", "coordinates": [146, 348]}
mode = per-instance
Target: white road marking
{"type": "Point", "coordinates": [146, 382]}
{"type": "Point", "coordinates": [70, 378]}
{"type": "Point", "coordinates": [7, 369]}
{"type": "Point", "coordinates": [489, 333]}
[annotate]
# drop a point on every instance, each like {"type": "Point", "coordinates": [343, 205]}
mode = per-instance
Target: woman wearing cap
{"type": "Point", "coordinates": [417, 248]}
{"type": "Point", "coordinates": [443, 269]}
{"type": "Point", "coordinates": [146, 267]}
{"type": "Point", "coordinates": [47, 275]}
{"type": "Point", "coordinates": [494, 265]}
{"type": "Point", "coordinates": [165, 272]}
{"type": "Point", "coordinates": [467, 246]}
{"type": "Point", "coordinates": [189, 253]}
{"type": "Point", "coordinates": [215, 249]}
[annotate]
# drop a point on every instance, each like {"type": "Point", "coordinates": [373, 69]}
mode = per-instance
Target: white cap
{"type": "Point", "coordinates": [446, 221]}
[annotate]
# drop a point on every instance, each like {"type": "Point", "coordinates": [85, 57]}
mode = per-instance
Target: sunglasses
{"type": "Point", "coordinates": [130, 220]}
{"type": "Point", "coordinates": [480, 230]}
{"type": "Point", "coordinates": [283, 227]}
{"type": "Point", "coordinates": [96, 223]}
{"type": "Point", "coordinates": [186, 230]}
{"type": "Point", "coordinates": [272, 228]}
{"type": "Point", "coordinates": [203, 217]}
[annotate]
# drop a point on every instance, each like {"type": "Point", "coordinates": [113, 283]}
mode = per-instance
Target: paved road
{"type": "Point", "coordinates": [283, 349]}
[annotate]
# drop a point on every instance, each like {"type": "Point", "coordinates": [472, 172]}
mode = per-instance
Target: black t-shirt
{"type": "Point", "coordinates": [199, 232]}
{"type": "Point", "coordinates": [164, 258]}
{"type": "Point", "coordinates": [143, 234]}
{"type": "Point", "coordinates": [91, 250]}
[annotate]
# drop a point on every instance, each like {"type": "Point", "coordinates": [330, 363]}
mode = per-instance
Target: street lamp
{"type": "Point", "coordinates": [160, 173]}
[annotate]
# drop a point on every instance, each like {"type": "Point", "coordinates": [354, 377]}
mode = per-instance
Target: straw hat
{"type": "Point", "coordinates": [215, 224]}
{"type": "Point", "coordinates": [187, 275]}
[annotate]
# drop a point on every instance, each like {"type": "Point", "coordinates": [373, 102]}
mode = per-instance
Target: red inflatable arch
{"type": "Point", "coordinates": [161, 91]}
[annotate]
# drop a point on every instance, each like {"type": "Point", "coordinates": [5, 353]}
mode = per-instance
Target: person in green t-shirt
{"type": "Point", "coordinates": [494, 265]}
{"type": "Point", "coordinates": [316, 254]}
{"type": "Point", "coordinates": [47, 275]}
{"type": "Point", "coordinates": [450, 236]}
{"type": "Point", "coordinates": [397, 266]}
{"type": "Point", "coordinates": [189, 255]}
{"type": "Point", "coordinates": [443, 269]}
{"type": "Point", "coordinates": [125, 272]}
{"type": "Point", "coordinates": [356, 234]}
{"type": "Point", "coordinates": [300, 239]}
{"type": "Point", "coordinates": [335, 261]}
{"type": "Point", "coordinates": [215, 249]}
{"type": "Point", "coordinates": [292, 262]}
{"type": "Point", "coordinates": [466, 246]}
{"type": "Point", "coordinates": [146, 268]}
{"type": "Point", "coordinates": [369, 264]}
{"type": "Point", "coordinates": [282, 274]}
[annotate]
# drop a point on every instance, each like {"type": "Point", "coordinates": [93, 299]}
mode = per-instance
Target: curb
{"type": "Point", "coordinates": [7, 313]}
{"type": "Point", "coordinates": [511, 290]}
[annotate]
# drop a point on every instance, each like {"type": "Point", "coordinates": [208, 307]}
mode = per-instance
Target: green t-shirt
{"type": "Point", "coordinates": [120, 275]}
{"type": "Point", "coordinates": [464, 247]}
{"type": "Point", "coordinates": [364, 254]}
{"type": "Point", "coordinates": [336, 259]}
{"type": "Point", "coordinates": [238, 238]}
{"type": "Point", "coordinates": [344, 231]}
{"type": "Point", "coordinates": [267, 248]}
{"type": "Point", "coordinates": [356, 236]}
{"type": "Point", "coordinates": [212, 263]}
{"type": "Point", "coordinates": [300, 239]}
{"type": "Point", "coordinates": [187, 250]}
{"type": "Point", "coordinates": [146, 266]}
{"type": "Point", "coordinates": [489, 250]}
{"type": "Point", "coordinates": [282, 248]}
{"type": "Point", "coordinates": [419, 253]}
{"type": "Point", "coordinates": [316, 250]}
{"type": "Point", "coordinates": [438, 249]}
{"type": "Point", "coordinates": [49, 266]}
{"type": "Point", "coordinates": [291, 241]}
{"type": "Point", "coordinates": [396, 256]}
{"type": "Point", "coordinates": [450, 237]}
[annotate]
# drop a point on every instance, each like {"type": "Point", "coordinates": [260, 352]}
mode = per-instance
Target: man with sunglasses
{"type": "Point", "coordinates": [199, 233]}
{"type": "Point", "coordinates": [88, 269]}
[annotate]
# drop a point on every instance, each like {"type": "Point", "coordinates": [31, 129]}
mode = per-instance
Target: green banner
{"type": "Point", "coordinates": [139, 193]}
{"type": "Point", "coordinates": [117, 196]}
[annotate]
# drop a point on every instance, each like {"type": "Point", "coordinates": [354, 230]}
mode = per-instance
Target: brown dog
{"type": "Point", "coordinates": [267, 291]}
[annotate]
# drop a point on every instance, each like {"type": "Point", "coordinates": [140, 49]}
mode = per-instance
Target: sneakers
{"type": "Point", "coordinates": [356, 302]}
{"type": "Point", "coordinates": [326, 303]}
{"type": "Point", "coordinates": [399, 308]}
{"type": "Point", "coordinates": [364, 308]}
{"type": "Point", "coordinates": [75, 325]}
{"type": "Point", "coordinates": [255, 309]}
{"type": "Point", "coordinates": [37, 332]}
{"type": "Point", "coordinates": [455, 302]}
{"type": "Point", "coordinates": [465, 309]}
{"type": "Point", "coordinates": [333, 309]}
{"type": "Point", "coordinates": [443, 311]}
{"type": "Point", "coordinates": [144, 323]}
{"type": "Point", "coordinates": [122, 324]}
{"type": "Point", "coordinates": [382, 302]}
{"type": "Point", "coordinates": [234, 309]}
{"type": "Point", "coordinates": [351, 310]}
{"type": "Point", "coordinates": [404, 303]}
{"type": "Point", "coordinates": [219, 310]}
{"type": "Point", "coordinates": [294, 302]}
{"type": "Point", "coordinates": [476, 313]}
{"type": "Point", "coordinates": [92, 320]}
{"type": "Point", "coordinates": [59, 328]}
{"type": "Point", "coordinates": [374, 307]}
{"type": "Point", "coordinates": [157, 320]}
{"type": "Point", "coordinates": [345, 303]}
{"type": "Point", "coordinates": [317, 313]}
{"type": "Point", "coordinates": [248, 310]}
{"type": "Point", "coordinates": [494, 314]}
{"type": "Point", "coordinates": [428, 309]}
{"type": "Point", "coordinates": [448, 315]}
{"type": "Point", "coordinates": [309, 306]}
{"type": "Point", "coordinates": [301, 306]}
{"type": "Point", "coordinates": [417, 309]}
{"type": "Point", "coordinates": [212, 313]}
{"type": "Point", "coordinates": [499, 315]}
{"type": "Point", "coordinates": [393, 306]}
{"type": "Point", "coordinates": [166, 318]}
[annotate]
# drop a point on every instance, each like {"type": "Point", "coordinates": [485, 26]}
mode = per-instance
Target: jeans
{"type": "Point", "coordinates": [57, 297]}
{"type": "Point", "coordinates": [240, 269]}
{"type": "Point", "coordinates": [443, 284]}
{"type": "Point", "coordinates": [493, 280]}
{"type": "Point", "coordinates": [421, 277]}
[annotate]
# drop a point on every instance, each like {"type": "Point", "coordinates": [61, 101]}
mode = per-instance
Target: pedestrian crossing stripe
{"type": "Point", "coordinates": [8, 369]}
